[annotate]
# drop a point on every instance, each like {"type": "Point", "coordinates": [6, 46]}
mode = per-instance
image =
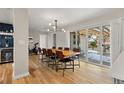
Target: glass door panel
{"type": "Point", "coordinates": [83, 44]}
{"type": "Point", "coordinates": [106, 45]}
{"type": "Point", "coordinates": [94, 45]}
{"type": "Point", "coordinates": [73, 40]}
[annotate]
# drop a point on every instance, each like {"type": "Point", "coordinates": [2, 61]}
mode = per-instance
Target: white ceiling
{"type": "Point", "coordinates": [5, 15]}
{"type": "Point", "coordinates": [42, 17]}
{"type": "Point", "coordinates": [68, 18]}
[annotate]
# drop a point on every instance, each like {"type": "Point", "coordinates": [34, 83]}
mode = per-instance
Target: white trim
{"type": "Point", "coordinates": [20, 76]}
{"type": "Point", "coordinates": [104, 66]}
{"type": "Point", "coordinates": [94, 24]}
{"type": "Point", "coordinates": [101, 37]}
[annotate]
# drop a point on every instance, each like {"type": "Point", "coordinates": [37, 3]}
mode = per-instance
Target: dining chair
{"type": "Point", "coordinates": [64, 61]}
{"type": "Point", "coordinates": [66, 49]}
{"type": "Point", "coordinates": [44, 54]}
{"type": "Point", "coordinates": [39, 52]}
{"type": "Point", "coordinates": [53, 47]}
{"type": "Point", "coordinates": [60, 48]}
{"type": "Point", "coordinates": [52, 57]}
{"type": "Point", "coordinates": [77, 56]}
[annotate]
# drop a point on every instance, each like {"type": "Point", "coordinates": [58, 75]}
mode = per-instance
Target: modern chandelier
{"type": "Point", "coordinates": [54, 27]}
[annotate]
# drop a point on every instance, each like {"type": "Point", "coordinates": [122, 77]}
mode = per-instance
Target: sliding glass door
{"type": "Point", "coordinates": [94, 45]}
{"type": "Point", "coordinates": [83, 44]}
{"type": "Point", "coordinates": [106, 45]}
{"type": "Point", "coordinates": [99, 45]}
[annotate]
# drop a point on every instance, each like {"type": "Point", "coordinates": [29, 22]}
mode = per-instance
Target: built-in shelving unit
{"type": "Point", "coordinates": [6, 43]}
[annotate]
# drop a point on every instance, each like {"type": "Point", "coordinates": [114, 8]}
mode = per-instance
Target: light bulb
{"type": "Point", "coordinates": [48, 30]}
{"type": "Point", "coordinates": [50, 24]}
{"type": "Point", "coordinates": [63, 29]}
{"type": "Point", "coordinates": [54, 27]}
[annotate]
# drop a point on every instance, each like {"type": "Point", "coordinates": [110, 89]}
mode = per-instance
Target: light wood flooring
{"type": "Point", "coordinates": [40, 73]}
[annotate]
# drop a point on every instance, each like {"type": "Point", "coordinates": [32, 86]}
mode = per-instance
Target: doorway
{"type": "Point", "coordinates": [43, 41]}
{"type": "Point", "coordinates": [94, 44]}
{"type": "Point", "coordinates": [99, 45]}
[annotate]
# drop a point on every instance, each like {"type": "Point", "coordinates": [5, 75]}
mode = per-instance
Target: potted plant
{"type": "Point", "coordinates": [93, 44]}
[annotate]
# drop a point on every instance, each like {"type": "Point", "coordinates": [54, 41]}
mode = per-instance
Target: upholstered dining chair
{"type": "Point", "coordinates": [53, 47]}
{"type": "Point", "coordinates": [60, 48]}
{"type": "Point", "coordinates": [66, 49]}
{"type": "Point", "coordinates": [76, 57]}
{"type": "Point", "coordinates": [52, 57]}
{"type": "Point", "coordinates": [64, 61]}
{"type": "Point", "coordinates": [44, 54]}
{"type": "Point", "coordinates": [39, 52]}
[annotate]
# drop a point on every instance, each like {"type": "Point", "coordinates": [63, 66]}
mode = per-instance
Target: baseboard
{"type": "Point", "coordinates": [20, 76]}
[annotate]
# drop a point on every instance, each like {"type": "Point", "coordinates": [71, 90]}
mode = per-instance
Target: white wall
{"type": "Point", "coordinates": [83, 43]}
{"type": "Point", "coordinates": [116, 39]}
{"type": "Point", "coordinates": [36, 37]}
{"type": "Point", "coordinates": [20, 22]}
{"type": "Point", "coordinates": [117, 70]}
{"type": "Point", "coordinates": [62, 39]}
{"type": "Point", "coordinates": [43, 41]}
{"type": "Point", "coordinates": [50, 40]}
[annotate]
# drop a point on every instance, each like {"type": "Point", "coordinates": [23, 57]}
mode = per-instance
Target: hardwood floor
{"type": "Point", "coordinates": [40, 73]}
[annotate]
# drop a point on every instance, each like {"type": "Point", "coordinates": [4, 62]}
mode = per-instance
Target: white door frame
{"type": "Point", "coordinates": [101, 36]}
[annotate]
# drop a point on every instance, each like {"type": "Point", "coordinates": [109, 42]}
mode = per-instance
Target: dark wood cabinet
{"type": "Point", "coordinates": [6, 43]}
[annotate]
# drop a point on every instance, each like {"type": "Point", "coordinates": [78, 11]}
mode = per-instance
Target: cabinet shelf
{"type": "Point", "coordinates": [3, 33]}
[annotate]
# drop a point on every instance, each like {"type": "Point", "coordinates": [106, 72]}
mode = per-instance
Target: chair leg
{"type": "Point", "coordinates": [64, 69]}
{"type": "Point", "coordinates": [42, 58]}
{"type": "Point", "coordinates": [79, 61]}
{"type": "Point", "coordinates": [53, 64]}
{"type": "Point", "coordinates": [73, 66]}
{"type": "Point", "coordinates": [56, 66]}
{"type": "Point", "coordinates": [48, 62]}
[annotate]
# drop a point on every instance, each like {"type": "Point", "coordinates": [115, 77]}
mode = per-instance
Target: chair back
{"type": "Point", "coordinates": [53, 47]}
{"type": "Point", "coordinates": [60, 55]}
{"type": "Point", "coordinates": [39, 50]}
{"type": "Point", "coordinates": [60, 48]}
{"type": "Point", "coordinates": [66, 48]}
{"type": "Point", "coordinates": [49, 52]}
{"type": "Point", "coordinates": [44, 51]}
{"type": "Point", "coordinates": [76, 49]}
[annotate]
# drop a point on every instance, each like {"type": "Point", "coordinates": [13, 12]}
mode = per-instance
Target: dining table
{"type": "Point", "coordinates": [66, 53]}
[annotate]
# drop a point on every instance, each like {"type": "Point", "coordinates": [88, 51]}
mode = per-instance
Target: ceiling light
{"type": "Point", "coordinates": [48, 30]}
{"type": "Point", "coordinates": [63, 29]}
{"type": "Point", "coordinates": [54, 27]}
{"type": "Point", "coordinates": [50, 24]}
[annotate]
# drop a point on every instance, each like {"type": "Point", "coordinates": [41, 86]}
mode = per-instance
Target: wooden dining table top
{"type": "Point", "coordinates": [66, 52]}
